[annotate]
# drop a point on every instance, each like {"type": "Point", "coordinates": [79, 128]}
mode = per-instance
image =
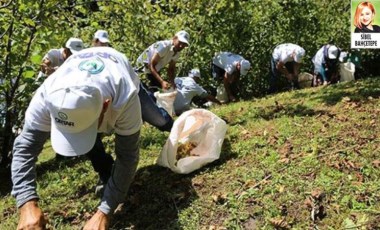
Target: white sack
{"type": "Point", "coordinates": [198, 126]}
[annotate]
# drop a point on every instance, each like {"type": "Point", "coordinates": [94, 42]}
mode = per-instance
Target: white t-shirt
{"type": "Point", "coordinates": [318, 59]}
{"type": "Point", "coordinates": [284, 52]}
{"type": "Point", "coordinates": [164, 50]}
{"type": "Point", "coordinates": [227, 61]}
{"type": "Point", "coordinates": [114, 77]}
{"type": "Point", "coordinates": [187, 89]}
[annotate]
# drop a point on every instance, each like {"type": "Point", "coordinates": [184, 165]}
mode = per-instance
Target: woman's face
{"type": "Point", "coordinates": [366, 16]}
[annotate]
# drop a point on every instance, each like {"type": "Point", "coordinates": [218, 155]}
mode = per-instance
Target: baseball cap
{"type": "Point", "coordinates": [332, 52]}
{"type": "Point", "coordinates": [244, 67]}
{"type": "Point", "coordinates": [74, 44]}
{"type": "Point", "coordinates": [299, 54]}
{"type": "Point", "coordinates": [75, 106]}
{"type": "Point", "coordinates": [183, 36]}
{"type": "Point", "coordinates": [195, 73]}
{"type": "Point", "coordinates": [102, 35]}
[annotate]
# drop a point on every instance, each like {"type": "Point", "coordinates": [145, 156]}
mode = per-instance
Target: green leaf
{"type": "Point", "coordinates": [29, 22]}
{"type": "Point", "coordinates": [349, 224]}
{"type": "Point", "coordinates": [29, 74]}
{"type": "Point", "coordinates": [36, 59]}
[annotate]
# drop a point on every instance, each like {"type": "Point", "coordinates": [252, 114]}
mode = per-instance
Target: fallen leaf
{"type": "Point", "coordinates": [284, 160]}
{"type": "Point", "coordinates": [279, 223]}
{"type": "Point", "coordinates": [376, 163]}
{"type": "Point", "coordinates": [219, 198]}
{"type": "Point", "coordinates": [197, 182]}
{"type": "Point", "coordinates": [286, 149]}
{"type": "Point", "coordinates": [317, 194]}
{"type": "Point", "coordinates": [308, 203]}
{"type": "Point", "coordinates": [272, 140]}
{"type": "Point", "coordinates": [346, 99]}
{"type": "Point", "coordinates": [281, 189]}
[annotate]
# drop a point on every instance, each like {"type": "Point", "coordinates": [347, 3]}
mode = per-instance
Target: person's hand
{"type": "Point", "coordinates": [165, 85]}
{"type": "Point", "coordinates": [99, 221]}
{"type": "Point", "coordinates": [31, 217]}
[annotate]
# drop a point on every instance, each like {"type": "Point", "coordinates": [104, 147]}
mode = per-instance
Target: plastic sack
{"type": "Point", "coordinates": [221, 94]}
{"type": "Point", "coordinates": [305, 80]}
{"type": "Point", "coordinates": [166, 100]}
{"type": "Point", "coordinates": [347, 71]}
{"type": "Point", "coordinates": [200, 129]}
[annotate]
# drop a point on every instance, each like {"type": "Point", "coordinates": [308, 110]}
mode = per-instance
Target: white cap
{"type": "Point", "coordinates": [75, 106]}
{"type": "Point", "coordinates": [102, 35]}
{"type": "Point", "coordinates": [183, 36]}
{"type": "Point", "coordinates": [332, 52]}
{"type": "Point", "coordinates": [299, 54]}
{"type": "Point", "coordinates": [195, 73]}
{"type": "Point", "coordinates": [74, 44]}
{"type": "Point", "coordinates": [244, 67]}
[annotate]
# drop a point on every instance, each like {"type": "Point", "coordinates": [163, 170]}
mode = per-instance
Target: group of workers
{"type": "Point", "coordinates": [92, 91]}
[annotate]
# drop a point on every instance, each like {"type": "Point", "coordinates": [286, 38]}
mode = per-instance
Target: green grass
{"type": "Point", "coordinates": [306, 159]}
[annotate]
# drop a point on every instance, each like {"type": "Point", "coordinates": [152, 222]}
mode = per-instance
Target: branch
{"type": "Point", "coordinates": [21, 70]}
{"type": "Point", "coordinates": [7, 61]}
{"type": "Point", "coordinates": [6, 5]}
{"type": "Point", "coordinates": [6, 31]}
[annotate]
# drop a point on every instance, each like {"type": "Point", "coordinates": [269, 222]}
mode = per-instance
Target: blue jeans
{"type": "Point", "coordinates": [151, 113]}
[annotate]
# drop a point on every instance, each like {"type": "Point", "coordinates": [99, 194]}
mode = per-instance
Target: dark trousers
{"type": "Point", "coordinates": [153, 84]}
{"type": "Point", "coordinates": [100, 160]}
{"type": "Point", "coordinates": [274, 77]}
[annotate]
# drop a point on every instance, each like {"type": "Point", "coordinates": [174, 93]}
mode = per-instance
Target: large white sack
{"type": "Point", "coordinates": [198, 126]}
{"type": "Point", "coordinates": [347, 71]}
{"type": "Point", "coordinates": [221, 94]}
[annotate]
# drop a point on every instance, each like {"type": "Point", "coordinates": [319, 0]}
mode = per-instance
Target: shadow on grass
{"type": "Point", "coordinates": [158, 195]}
{"type": "Point", "coordinates": [277, 111]}
{"type": "Point", "coordinates": [333, 94]}
{"type": "Point", "coordinates": [51, 165]}
{"type": "Point", "coordinates": [57, 163]}
{"type": "Point", "coordinates": [6, 182]}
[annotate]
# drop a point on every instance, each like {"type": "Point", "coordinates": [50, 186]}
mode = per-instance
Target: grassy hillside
{"type": "Point", "coordinates": [307, 159]}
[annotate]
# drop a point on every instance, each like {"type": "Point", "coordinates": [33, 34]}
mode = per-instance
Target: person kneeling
{"type": "Point", "coordinates": [188, 88]}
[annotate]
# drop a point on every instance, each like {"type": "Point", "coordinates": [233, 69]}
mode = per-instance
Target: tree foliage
{"type": "Point", "coordinates": [250, 28]}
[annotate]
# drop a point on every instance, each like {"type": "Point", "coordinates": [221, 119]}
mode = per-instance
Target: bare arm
{"type": "Point", "coordinates": [280, 66]}
{"type": "Point", "coordinates": [171, 72]}
{"type": "Point", "coordinates": [297, 67]}
{"type": "Point", "coordinates": [226, 83]}
{"type": "Point", "coordinates": [152, 67]}
{"type": "Point", "coordinates": [213, 99]}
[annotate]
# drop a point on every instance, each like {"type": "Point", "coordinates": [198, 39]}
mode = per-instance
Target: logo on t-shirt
{"type": "Point", "coordinates": [62, 116]}
{"type": "Point", "coordinates": [94, 66]}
